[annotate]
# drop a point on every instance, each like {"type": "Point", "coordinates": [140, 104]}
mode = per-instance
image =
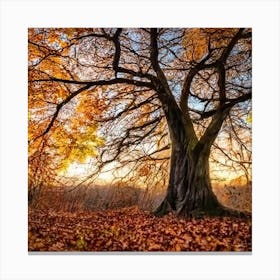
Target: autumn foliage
{"type": "Point", "coordinates": [130, 229]}
{"type": "Point", "coordinates": [166, 111]}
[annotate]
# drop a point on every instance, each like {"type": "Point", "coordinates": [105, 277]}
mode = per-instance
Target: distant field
{"type": "Point", "coordinates": [236, 197]}
{"type": "Point", "coordinates": [118, 196]}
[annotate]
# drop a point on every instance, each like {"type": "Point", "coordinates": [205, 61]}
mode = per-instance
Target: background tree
{"type": "Point", "coordinates": [147, 99]}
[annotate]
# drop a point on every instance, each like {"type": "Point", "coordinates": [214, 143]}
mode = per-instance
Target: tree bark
{"type": "Point", "coordinates": [189, 191]}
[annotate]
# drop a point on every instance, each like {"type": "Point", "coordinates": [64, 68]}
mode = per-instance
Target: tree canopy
{"type": "Point", "coordinates": [111, 97]}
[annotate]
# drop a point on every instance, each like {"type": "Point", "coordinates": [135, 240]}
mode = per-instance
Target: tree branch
{"type": "Point", "coordinates": [59, 107]}
{"type": "Point", "coordinates": [165, 95]}
{"type": "Point", "coordinates": [117, 55]}
{"type": "Point", "coordinates": [229, 103]}
{"type": "Point", "coordinates": [219, 115]}
{"type": "Point", "coordinates": [98, 83]}
{"type": "Point", "coordinates": [75, 93]}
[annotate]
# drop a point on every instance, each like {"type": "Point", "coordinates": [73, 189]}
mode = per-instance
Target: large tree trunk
{"type": "Point", "coordinates": [189, 191]}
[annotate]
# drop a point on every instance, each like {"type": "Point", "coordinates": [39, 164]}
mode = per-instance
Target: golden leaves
{"type": "Point", "coordinates": [59, 38]}
{"type": "Point", "coordinates": [91, 104]}
{"type": "Point", "coordinates": [196, 44]}
{"type": "Point", "coordinates": [34, 53]}
{"type": "Point", "coordinates": [144, 170]}
{"type": "Point", "coordinates": [249, 118]}
{"type": "Point", "coordinates": [77, 145]}
{"type": "Point", "coordinates": [46, 48]}
{"type": "Point", "coordinates": [53, 66]}
{"type": "Point", "coordinates": [53, 37]}
{"type": "Point", "coordinates": [197, 41]}
{"type": "Point", "coordinates": [81, 243]}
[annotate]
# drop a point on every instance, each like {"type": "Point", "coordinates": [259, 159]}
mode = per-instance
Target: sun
{"type": "Point", "coordinates": [76, 170]}
{"type": "Point", "coordinates": [82, 170]}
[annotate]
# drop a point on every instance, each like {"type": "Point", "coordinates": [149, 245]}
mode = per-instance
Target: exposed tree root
{"type": "Point", "coordinates": [218, 211]}
{"type": "Point", "coordinates": [163, 209]}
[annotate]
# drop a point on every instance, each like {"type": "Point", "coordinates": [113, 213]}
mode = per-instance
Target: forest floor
{"type": "Point", "coordinates": [131, 229]}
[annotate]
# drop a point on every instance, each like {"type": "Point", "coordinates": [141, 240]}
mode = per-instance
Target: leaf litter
{"type": "Point", "coordinates": [132, 229]}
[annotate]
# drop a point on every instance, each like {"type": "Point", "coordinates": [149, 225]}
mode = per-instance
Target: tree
{"type": "Point", "coordinates": [174, 90]}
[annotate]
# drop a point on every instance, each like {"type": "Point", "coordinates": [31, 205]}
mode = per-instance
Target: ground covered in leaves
{"type": "Point", "coordinates": [131, 229]}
